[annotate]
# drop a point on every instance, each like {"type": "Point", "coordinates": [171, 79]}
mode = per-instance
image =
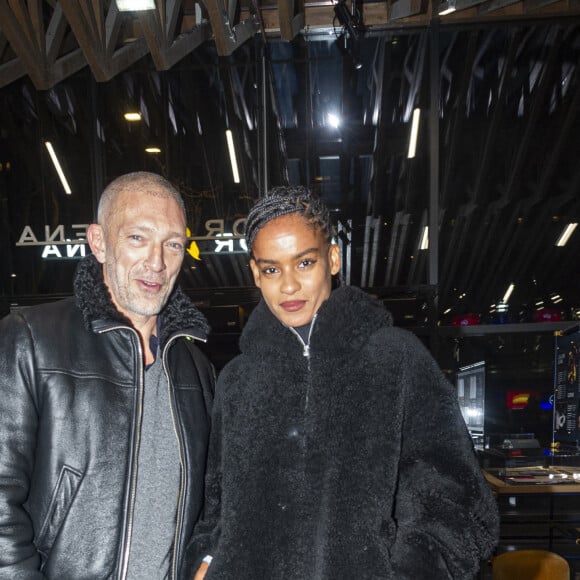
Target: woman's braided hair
{"type": "Point", "coordinates": [284, 200]}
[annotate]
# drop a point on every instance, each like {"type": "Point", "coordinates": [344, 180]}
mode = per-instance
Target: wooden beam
{"type": "Point", "coordinates": [11, 71]}
{"type": "Point", "coordinates": [291, 16]}
{"type": "Point", "coordinates": [18, 29]}
{"type": "Point", "coordinates": [226, 36]}
{"type": "Point", "coordinates": [159, 32]}
{"type": "Point", "coordinates": [97, 36]}
{"type": "Point", "coordinates": [404, 9]}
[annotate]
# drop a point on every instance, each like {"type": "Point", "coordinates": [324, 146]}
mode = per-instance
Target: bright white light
{"type": "Point", "coordinates": [447, 7]}
{"type": "Point", "coordinates": [424, 239]}
{"type": "Point", "coordinates": [508, 293]}
{"type": "Point", "coordinates": [135, 5]}
{"type": "Point", "coordinates": [132, 117]}
{"type": "Point", "coordinates": [565, 235]}
{"type": "Point", "coordinates": [153, 150]}
{"type": "Point", "coordinates": [58, 168]}
{"type": "Point", "coordinates": [473, 413]}
{"type": "Point", "coordinates": [333, 120]}
{"type": "Point", "coordinates": [232, 152]}
{"type": "Point", "coordinates": [414, 133]}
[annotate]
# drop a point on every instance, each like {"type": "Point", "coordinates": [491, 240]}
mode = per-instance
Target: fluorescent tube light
{"type": "Point", "coordinates": [132, 116]}
{"type": "Point", "coordinates": [447, 7]}
{"type": "Point", "coordinates": [153, 150]}
{"type": "Point", "coordinates": [414, 133]}
{"type": "Point", "coordinates": [232, 152]}
{"type": "Point", "coordinates": [58, 168]}
{"type": "Point", "coordinates": [424, 239]}
{"type": "Point", "coordinates": [565, 235]}
{"type": "Point", "coordinates": [508, 293]}
{"type": "Point", "coordinates": [135, 5]}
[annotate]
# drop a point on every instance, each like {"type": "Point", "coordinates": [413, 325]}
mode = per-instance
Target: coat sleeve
{"type": "Point", "coordinates": [446, 516]}
{"type": "Point", "coordinates": [19, 558]}
{"type": "Point", "coordinates": [207, 530]}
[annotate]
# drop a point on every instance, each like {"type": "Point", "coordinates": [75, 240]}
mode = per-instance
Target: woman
{"type": "Point", "coordinates": [338, 449]}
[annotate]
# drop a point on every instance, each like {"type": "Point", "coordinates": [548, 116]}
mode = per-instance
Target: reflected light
{"type": "Point", "coordinates": [424, 239]}
{"type": "Point", "coordinates": [232, 152]}
{"type": "Point", "coordinates": [508, 293]}
{"type": "Point", "coordinates": [414, 133]}
{"type": "Point", "coordinates": [333, 120]}
{"type": "Point", "coordinates": [565, 235]}
{"type": "Point", "coordinates": [58, 168]}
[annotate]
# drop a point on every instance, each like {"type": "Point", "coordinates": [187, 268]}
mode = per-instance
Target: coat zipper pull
{"type": "Point", "coordinates": [306, 351]}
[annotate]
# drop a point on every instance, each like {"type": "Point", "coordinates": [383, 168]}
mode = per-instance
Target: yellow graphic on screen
{"type": "Point", "coordinates": [193, 248]}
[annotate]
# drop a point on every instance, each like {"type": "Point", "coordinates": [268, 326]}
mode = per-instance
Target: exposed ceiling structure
{"type": "Point", "coordinates": [495, 175]}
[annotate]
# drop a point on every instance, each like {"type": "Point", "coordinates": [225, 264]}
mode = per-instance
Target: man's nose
{"type": "Point", "coordinates": [155, 260]}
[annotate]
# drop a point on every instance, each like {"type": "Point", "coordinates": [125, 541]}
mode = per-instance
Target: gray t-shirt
{"type": "Point", "coordinates": [157, 482]}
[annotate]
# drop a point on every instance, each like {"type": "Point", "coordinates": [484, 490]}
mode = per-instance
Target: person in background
{"type": "Point", "coordinates": [105, 406]}
{"type": "Point", "coordinates": [338, 449]}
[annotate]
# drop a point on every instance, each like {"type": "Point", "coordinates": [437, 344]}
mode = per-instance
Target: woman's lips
{"type": "Point", "coordinates": [293, 305]}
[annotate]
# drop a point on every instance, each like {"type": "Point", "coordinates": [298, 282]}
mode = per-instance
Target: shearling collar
{"type": "Point", "coordinates": [94, 300]}
{"type": "Point", "coordinates": [343, 324]}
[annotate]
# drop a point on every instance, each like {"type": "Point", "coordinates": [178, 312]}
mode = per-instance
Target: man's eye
{"type": "Point", "coordinates": [306, 263]}
{"type": "Point", "coordinates": [136, 237]}
{"type": "Point", "coordinates": [271, 270]}
{"type": "Point", "coordinates": [176, 246]}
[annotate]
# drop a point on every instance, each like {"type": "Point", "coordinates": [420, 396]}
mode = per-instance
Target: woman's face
{"type": "Point", "coordinates": [293, 265]}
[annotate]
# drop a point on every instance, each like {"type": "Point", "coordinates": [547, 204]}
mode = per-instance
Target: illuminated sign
{"type": "Point", "coordinates": [61, 243]}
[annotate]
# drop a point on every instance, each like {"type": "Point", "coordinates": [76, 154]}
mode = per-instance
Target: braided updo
{"type": "Point", "coordinates": [284, 200]}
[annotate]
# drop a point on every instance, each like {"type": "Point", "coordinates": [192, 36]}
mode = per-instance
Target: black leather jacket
{"type": "Point", "coordinates": [71, 386]}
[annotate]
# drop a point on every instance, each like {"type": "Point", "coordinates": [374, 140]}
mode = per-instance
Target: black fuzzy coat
{"type": "Point", "coordinates": [354, 462]}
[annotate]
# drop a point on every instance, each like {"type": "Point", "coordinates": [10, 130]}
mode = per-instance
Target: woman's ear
{"type": "Point", "coordinates": [334, 258]}
{"type": "Point", "coordinates": [96, 239]}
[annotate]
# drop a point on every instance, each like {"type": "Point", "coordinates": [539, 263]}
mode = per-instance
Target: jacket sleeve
{"type": "Point", "coordinates": [19, 412]}
{"type": "Point", "coordinates": [207, 530]}
{"type": "Point", "coordinates": [446, 516]}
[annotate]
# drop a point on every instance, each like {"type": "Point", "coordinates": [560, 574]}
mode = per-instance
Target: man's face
{"type": "Point", "coordinates": [292, 265]}
{"type": "Point", "coordinates": [142, 248]}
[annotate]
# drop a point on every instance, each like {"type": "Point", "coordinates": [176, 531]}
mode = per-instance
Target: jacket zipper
{"type": "Point", "coordinates": [133, 482]}
{"type": "Point", "coordinates": [306, 353]}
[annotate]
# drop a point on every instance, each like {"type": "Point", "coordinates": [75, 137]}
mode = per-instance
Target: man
{"type": "Point", "coordinates": [104, 406]}
{"type": "Point", "coordinates": [338, 450]}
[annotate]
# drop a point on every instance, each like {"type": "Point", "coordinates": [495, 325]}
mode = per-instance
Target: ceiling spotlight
{"type": "Point", "coordinates": [351, 21]}
{"type": "Point", "coordinates": [333, 120]}
{"type": "Point", "coordinates": [153, 150]}
{"type": "Point", "coordinates": [135, 5]}
{"type": "Point", "coordinates": [133, 116]}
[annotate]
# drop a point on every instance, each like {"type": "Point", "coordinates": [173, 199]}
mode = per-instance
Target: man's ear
{"type": "Point", "coordinates": [96, 239]}
{"type": "Point", "coordinates": [255, 272]}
